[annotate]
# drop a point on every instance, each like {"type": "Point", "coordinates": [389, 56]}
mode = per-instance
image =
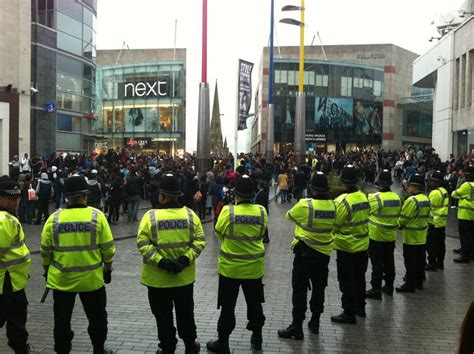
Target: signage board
{"type": "Point", "coordinates": [50, 107]}
{"type": "Point", "coordinates": [315, 137]}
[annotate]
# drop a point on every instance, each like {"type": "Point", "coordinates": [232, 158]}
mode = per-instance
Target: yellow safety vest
{"type": "Point", "coordinates": [439, 203]}
{"type": "Point", "coordinates": [14, 254]}
{"type": "Point", "coordinates": [241, 228]}
{"type": "Point", "coordinates": [169, 233]}
{"type": "Point", "coordinates": [414, 219]}
{"type": "Point", "coordinates": [384, 213]}
{"type": "Point", "coordinates": [465, 194]}
{"type": "Point", "coordinates": [314, 219]}
{"type": "Point", "coordinates": [75, 244]}
{"type": "Point", "coordinates": [352, 215]}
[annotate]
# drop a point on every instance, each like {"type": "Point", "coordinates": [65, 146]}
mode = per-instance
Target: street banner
{"type": "Point", "coordinates": [245, 92]}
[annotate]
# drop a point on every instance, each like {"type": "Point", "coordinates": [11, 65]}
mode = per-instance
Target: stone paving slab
{"type": "Point", "coordinates": [425, 322]}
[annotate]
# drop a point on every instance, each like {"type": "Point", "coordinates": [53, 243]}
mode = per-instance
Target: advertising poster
{"type": "Point", "coordinates": [245, 92]}
{"type": "Point", "coordinates": [368, 118]}
{"type": "Point", "coordinates": [333, 112]}
{"type": "Point", "coordinates": [135, 120]}
{"type": "Point", "coordinates": [152, 119]}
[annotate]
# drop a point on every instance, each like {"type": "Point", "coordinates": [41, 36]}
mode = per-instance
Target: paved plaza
{"type": "Point", "coordinates": [427, 321]}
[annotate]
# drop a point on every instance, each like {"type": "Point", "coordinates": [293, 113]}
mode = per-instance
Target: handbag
{"type": "Point", "coordinates": [197, 196]}
{"type": "Point", "coordinates": [32, 195]}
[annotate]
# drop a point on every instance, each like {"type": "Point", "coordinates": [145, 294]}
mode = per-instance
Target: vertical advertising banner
{"type": "Point", "coordinates": [333, 112]}
{"type": "Point", "coordinates": [368, 118]}
{"type": "Point", "coordinates": [245, 92]}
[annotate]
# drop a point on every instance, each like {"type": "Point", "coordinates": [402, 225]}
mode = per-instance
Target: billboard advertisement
{"type": "Point", "coordinates": [333, 112]}
{"type": "Point", "coordinates": [135, 120]}
{"type": "Point", "coordinates": [368, 117]}
{"type": "Point", "coordinates": [245, 92]}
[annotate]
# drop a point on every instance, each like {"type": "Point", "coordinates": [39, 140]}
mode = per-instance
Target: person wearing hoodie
{"type": "Point", "coordinates": [95, 195]}
{"type": "Point", "coordinates": [44, 190]}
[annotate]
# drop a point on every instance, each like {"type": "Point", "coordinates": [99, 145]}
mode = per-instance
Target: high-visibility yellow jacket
{"type": "Point", "coordinates": [439, 203]}
{"type": "Point", "coordinates": [14, 254]}
{"type": "Point", "coordinates": [75, 244]}
{"type": "Point", "coordinates": [414, 219]}
{"type": "Point", "coordinates": [314, 219]}
{"type": "Point", "coordinates": [352, 215]}
{"type": "Point", "coordinates": [465, 194]}
{"type": "Point", "coordinates": [384, 213]}
{"type": "Point", "coordinates": [241, 228]}
{"type": "Point", "coordinates": [169, 233]}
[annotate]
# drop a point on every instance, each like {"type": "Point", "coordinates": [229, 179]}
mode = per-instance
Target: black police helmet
{"type": "Point", "coordinates": [169, 185]}
{"type": "Point", "coordinates": [244, 187]}
{"type": "Point", "coordinates": [416, 180]}
{"type": "Point", "coordinates": [384, 179]}
{"type": "Point", "coordinates": [436, 176]}
{"type": "Point", "coordinates": [469, 171]}
{"type": "Point", "coordinates": [9, 188]}
{"type": "Point", "coordinates": [74, 186]}
{"type": "Point", "coordinates": [349, 175]}
{"type": "Point", "coordinates": [319, 183]}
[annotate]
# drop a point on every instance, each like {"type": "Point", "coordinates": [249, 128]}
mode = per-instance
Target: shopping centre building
{"type": "Point", "coordinates": [354, 98]}
{"type": "Point", "coordinates": [141, 99]}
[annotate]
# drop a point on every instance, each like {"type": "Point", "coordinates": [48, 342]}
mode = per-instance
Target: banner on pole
{"type": "Point", "coordinates": [245, 92]}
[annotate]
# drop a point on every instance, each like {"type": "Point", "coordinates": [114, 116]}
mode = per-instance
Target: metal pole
{"type": "Point", "coordinates": [271, 110]}
{"type": "Point", "coordinates": [204, 42]}
{"type": "Point", "coordinates": [300, 123]}
{"type": "Point", "coordinates": [236, 128]}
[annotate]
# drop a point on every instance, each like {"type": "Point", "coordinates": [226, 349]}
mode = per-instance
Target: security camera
{"type": "Point", "coordinates": [34, 90]}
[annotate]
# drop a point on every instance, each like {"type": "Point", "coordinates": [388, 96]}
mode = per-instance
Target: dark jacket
{"type": "Point", "coordinates": [134, 185]}
{"type": "Point", "coordinates": [44, 189]}
{"type": "Point", "coordinates": [261, 197]}
{"type": "Point", "coordinates": [95, 192]}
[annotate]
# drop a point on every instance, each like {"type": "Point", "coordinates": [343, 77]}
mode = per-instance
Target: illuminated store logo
{"type": "Point", "coordinates": [145, 89]}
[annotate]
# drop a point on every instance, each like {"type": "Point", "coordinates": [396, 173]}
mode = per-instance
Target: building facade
{"type": "Point", "coordinates": [352, 97]}
{"type": "Point", "coordinates": [447, 68]}
{"type": "Point", "coordinates": [141, 99]}
{"type": "Point", "coordinates": [63, 45]}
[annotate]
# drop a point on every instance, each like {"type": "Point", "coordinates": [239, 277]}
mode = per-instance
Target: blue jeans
{"type": "Point", "coordinates": [283, 195]}
{"type": "Point", "coordinates": [133, 204]}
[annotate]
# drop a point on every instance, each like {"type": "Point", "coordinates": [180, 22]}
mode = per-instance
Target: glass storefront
{"type": "Point", "coordinates": [344, 104]}
{"type": "Point", "coordinates": [142, 106]}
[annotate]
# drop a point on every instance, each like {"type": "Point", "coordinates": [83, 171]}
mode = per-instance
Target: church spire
{"type": "Point", "coordinates": [216, 129]}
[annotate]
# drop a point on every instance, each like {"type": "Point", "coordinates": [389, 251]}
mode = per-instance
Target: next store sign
{"type": "Point", "coordinates": [144, 89]}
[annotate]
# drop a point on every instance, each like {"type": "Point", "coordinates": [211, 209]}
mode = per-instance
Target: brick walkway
{"type": "Point", "coordinates": [427, 321]}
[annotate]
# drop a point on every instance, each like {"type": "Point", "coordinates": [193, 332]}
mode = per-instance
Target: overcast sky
{"type": "Point", "coordinates": [240, 29]}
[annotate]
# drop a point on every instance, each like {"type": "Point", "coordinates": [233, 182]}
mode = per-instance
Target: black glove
{"type": "Point", "coordinates": [45, 276]}
{"type": "Point", "coordinates": [170, 265]}
{"type": "Point", "coordinates": [107, 276]}
{"type": "Point", "coordinates": [184, 261]}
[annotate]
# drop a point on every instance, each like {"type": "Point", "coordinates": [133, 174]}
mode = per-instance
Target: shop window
{"type": "Point", "coordinates": [107, 116]}
{"type": "Point", "coordinates": [119, 120]}
{"type": "Point", "coordinates": [69, 101]}
{"type": "Point", "coordinates": [89, 36]}
{"type": "Point", "coordinates": [69, 43]}
{"type": "Point", "coordinates": [71, 8]}
{"type": "Point", "coordinates": [165, 118]}
{"type": "Point", "coordinates": [88, 17]}
{"type": "Point", "coordinates": [322, 80]}
{"type": "Point", "coordinates": [88, 88]}
{"type": "Point", "coordinates": [69, 66]}
{"type": "Point", "coordinates": [68, 123]}
{"type": "Point", "coordinates": [69, 25]}
{"type": "Point", "coordinates": [346, 86]}
{"type": "Point", "coordinates": [68, 83]}
{"type": "Point", "coordinates": [377, 88]}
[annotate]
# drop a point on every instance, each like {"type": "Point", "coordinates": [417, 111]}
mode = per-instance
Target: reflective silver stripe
{"type": "Point", "coordinates": [348, 208]}
{"type": "Point", "coordinates": [313, 242]}
{"type": "Point", "coordinates": [242, 256]}
{"type": "Point", "coordinates": [147, 256]}
{"type": "Point", "coordinates": [245, 238]}
{"type": "Point", "coordinates": [195, 248]}
{"type": "Point", "coordinates": [15, 261]}
{"type": "Point", "coordinates": [382, 225]}
{"type": "Point", "coordinates": [106, 244]}
{"type": "Point", "coordinates": [12, 246]}
{"type": "Point", "coordinates": [465, 207]}
{"type": "Point", "coordinates": [191, 225]}
{"type": "Point", "coordinates": [143, 244]}
{"type": "Point", "coordinates": [357, 223]}
{"type": "Point", "coordinates": [415, 228]}
{"type": "Point", "coordinates": [359, 237]}
{"type": "Point", "coordinates": [18, 228]}
{"type": "Point", "coordinates": [75, 248]}
{"type": "Point", "coordinates": [310, 212]}
{"type": "Point", "coordinates": [75, 269]}
{"type": "Point", "coordinates": [94, 222]}
{"type": "Point", "coordinates": [166, 246]}
{"type": "Point", "coordinates": [379, 202]}
{"type": "Point", "coordinates": [56, 228]}
{"type": "Point", "coordinates": [232, 220]}
{"type": "Point", "coordinates": [262, 220]}
{"type": "Point", "coordinates": [387, 216]}
{"type": "Point", "coordinates": [154, 226]}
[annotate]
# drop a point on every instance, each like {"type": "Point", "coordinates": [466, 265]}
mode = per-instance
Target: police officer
{"type": "Point", "coordinates": [241, 228]}
{"type": "Point", "coordinates": [312, 245]}
{"type": "Point", "coordinates": [465, 194]}
{"type": "Point", "coordinates": [170, 239]}
{"type": "Point", "coordinates": [351, 242]}
{"type": "Point", "coordinates": [436, 238]}
{"type": "Point", "coordinates": [77, 250]}
{"type": "Point", "coordinates": [414, 223]}
{"type": "Point", "coordinates": [14, 268]}
{"type": "Point", "coordinates": [383, 224]}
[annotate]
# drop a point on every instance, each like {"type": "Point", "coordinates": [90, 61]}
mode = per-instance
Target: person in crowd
{"type": "Point", "coordinates": [261, 198]}
{"type": "Point", "coordinates": [25, 165]}
{"type": "Point", "coordinates": [133, 186]}
{"type": "Point", "coordinates": [14, 168]}
{"type": "Point", "coordinates": [153, 191]}
{"type": "Point", "coordinates": [95, 196]}
{"type": "Point", "coordinates": [466, 339]}
{"type": "Point", "coordinates": [169, 241]}
{"type": "Point", "coordinates": [203, 189]}
{"type": "Point", "coordinates": [115, 198]}
{"type": "Point", "coordinates": [44, 191]}
{"type": "Point", "coordinates": [283, 187]}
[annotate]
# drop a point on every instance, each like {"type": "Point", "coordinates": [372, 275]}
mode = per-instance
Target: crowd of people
{"type": "Point", "coordinates": [236, 191]}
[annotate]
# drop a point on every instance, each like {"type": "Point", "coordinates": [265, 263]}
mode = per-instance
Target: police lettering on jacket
{"type": "Point", "coordinates": [324, 214]}
{"type": "Point", "coordinates": [247, 219]}
{"type": "Point", "coordinates": [172, 224]}
{"type": "Point", "coordinates": [74, 227]}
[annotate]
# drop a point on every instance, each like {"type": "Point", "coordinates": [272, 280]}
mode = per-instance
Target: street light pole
{"type": "Point", "coordinates": [271, 109]}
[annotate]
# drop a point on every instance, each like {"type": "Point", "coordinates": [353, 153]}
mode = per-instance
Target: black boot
{"type": "Point", "coordinates": [313, 324]}
{"type": "Point", "coordinates": [361, 312]}
{"type": "Point", "coordinates": [440, 265]}
{"type": "Point", "coordinates": [387, 289]}
{"type": "Point", "coordinates": [192, 347]}
{"type": "Point", "coordinates": [405, 288]}
{"type": "Point", "coordinates": [256, 340]}
{"type": "Point", "coordinates": [462, 259]}
{"type": "Point", "coordinates": [457, 250]}
{"type": "Point", "coordinates": [344, 317]}
{"type": "Point", "coordinates": [220, 345]}
{"type": "Point", "coordinates": [293, 331]}
{"type": "Point", "coordinates": [373, 293]}
{"type": "Point", "coordinates": [102, 350]}
{"type": "Point", "coordinates": [431, 267]}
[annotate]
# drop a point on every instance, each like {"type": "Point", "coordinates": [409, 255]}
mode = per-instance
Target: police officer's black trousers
{"type": "Point", "coordinates": [414, 258]}
{"type": "Point", "coordinates": [351, 268]}
{"type": "Point", "coordinates": [466, 236]}
{"type": "Point", "coordinates": [227, 299]}
{"type": "Point", "coordinates": [13, 307]}
{"type": "Point", "coordinates": [436, 245]}
{"type": "Point", "coordinates": [161, 304]}
{"type": "Point", "coordinates": [383, 263]}
{"type": "Point", "coordinates": [94, 303]}
{"type": "Point", "coordinates": [310, 266]}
